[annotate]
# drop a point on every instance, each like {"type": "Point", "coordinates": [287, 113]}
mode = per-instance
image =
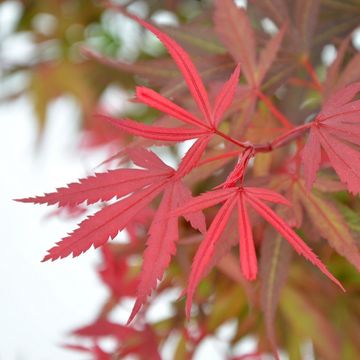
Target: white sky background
{"type": "Point", "coordinates": [40, 302]}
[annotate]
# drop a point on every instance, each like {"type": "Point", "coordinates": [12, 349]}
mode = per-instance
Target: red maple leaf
{"type": "Point", "coordinates": [142, 343]}
{"type": "Point", "coordinates": [144, 185]}
{"type": "Point", "coordinates": [240, 197]}
{"type": "Point", "coordinates": [135, 189]}
{"type": "Point", "coordinates": [336, 130]}
{"type": "Point", "coordinates": [196, 127]}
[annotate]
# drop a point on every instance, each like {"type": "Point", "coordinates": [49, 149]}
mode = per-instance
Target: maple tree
{"type": "Point", "coordinates": [270, 139]}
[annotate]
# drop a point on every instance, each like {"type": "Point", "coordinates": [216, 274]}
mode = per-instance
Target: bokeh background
{"type": "Point", "coordinates": [50, 86]}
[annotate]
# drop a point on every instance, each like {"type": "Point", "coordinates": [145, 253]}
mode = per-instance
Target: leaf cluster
{"type": "Point", "coordinates": [274, 159]}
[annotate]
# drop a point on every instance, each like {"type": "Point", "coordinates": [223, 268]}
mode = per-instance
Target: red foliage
{"type": "Point", "coordinates": [335, 130]}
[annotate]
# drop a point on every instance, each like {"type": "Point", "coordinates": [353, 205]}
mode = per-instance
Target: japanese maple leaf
{"type": "Point", "coordinates": [139, 342]}
{"type": "Point", "coordinates": [94, 350]}
{"type": "Point", "coordinates": [140, 222]}
{"type": "Point", "coordinates": [322, 212]}
{"type": "Point", "coordinates": [239, 38]}
{"type": "Point", "coordinates": [144, 185]}
{"type": "Point", "coordinates": [240, 198]}
{"type": "Point", "coordinates": [336, 130]}
{"type": "Point", "coordinates": [329, 222]}
{"type": "Point", "coordinates": [196, 127]}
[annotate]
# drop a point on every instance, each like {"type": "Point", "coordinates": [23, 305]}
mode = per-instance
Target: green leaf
{"type": "Point", "coordinates": [306, 320]}
{"type": "Point", "coordinates": [274, 266]}
{"type": "Point", "coordinates": [352, 217]}
{"type": "Point", "coordinates": [330, 223]}
{"type": "Point", "coordinates": [227, 305]}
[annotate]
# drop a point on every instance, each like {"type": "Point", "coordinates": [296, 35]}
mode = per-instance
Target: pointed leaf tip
{"type": "Point", "coordinates": [184, 63]}
{"type": "Point", "coordinates": [248, 259]}
{"type": "Point", "coordinates": [225, 97]}
{"type": "Point", "coordinates": [237, 35]}
{"type": "Point", "coordinates": [288, 233]}
{"type": "Point", "coordinates": [206, 250]}
{"type": "Point", "coordinates": [155, 100]}
{"type": "Point", "coordinates": [160, 247]}
{"type": "Point", "coordinates": [105, 224]}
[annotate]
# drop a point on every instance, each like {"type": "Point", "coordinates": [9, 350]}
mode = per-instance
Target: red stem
{"type": "Point", "coordinates": [232, 140]}
{"type": "Point", "coordinates": [219, 157]}
{"type": "Point", "coordinates": [302, 83]}
{"type": "Point", "coordinates": [289, 136]}
{"type": "Point", "coordinates": [278, 142]}
{"type": "Point", "coordinates": [311, 71]}
{"type": "Point", "coordinates": [276, 112]}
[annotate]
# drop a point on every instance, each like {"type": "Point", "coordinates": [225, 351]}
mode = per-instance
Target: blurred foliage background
{"type": "Point", "coordinates": [80, 49]}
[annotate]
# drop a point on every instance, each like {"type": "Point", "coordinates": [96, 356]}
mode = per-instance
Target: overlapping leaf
{"type": "Point", "coordinates": [330, 223]}
{"type": "Point", "coordinates": [336, 130]}
{"type": "Point", "coordinates": [239, 38]}
{"type": "Point", "coordinates": [334, 140]}
{"type": "Point", "coordinates": [274, 268]}
{"type": "Point", "coordinates": [96, 229]}
{"type": "Point", "coordinates": [199, 126]}
{"type": "Point", "coordinates": [143, 185]}
{"type": "Point", "coordinates": [241, 197]}
{"type": "Point", "coordinates": [161, 244]}
{"type": "Point", "coordinates": [146, 184]}
{"type": "Point", "coordinates": [312, 323]}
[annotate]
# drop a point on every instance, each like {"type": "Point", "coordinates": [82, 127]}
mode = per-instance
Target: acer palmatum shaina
{"type": "Point", "coordinates": [334, 129]}
{"type": "Point", "coordinates": [238, 197]}
{"type": "Point", "coordinates": [154, 178]}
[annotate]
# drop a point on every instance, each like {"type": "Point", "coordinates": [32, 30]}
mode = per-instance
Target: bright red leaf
{"type": "Point", "coordinates": [133, 191]}
{"type": "Point", "coordinates": [206, 125]}
{"type": "Point", "coordinates": [242, 196]}
{"type": "Point", "coordinates": [143, 186]}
